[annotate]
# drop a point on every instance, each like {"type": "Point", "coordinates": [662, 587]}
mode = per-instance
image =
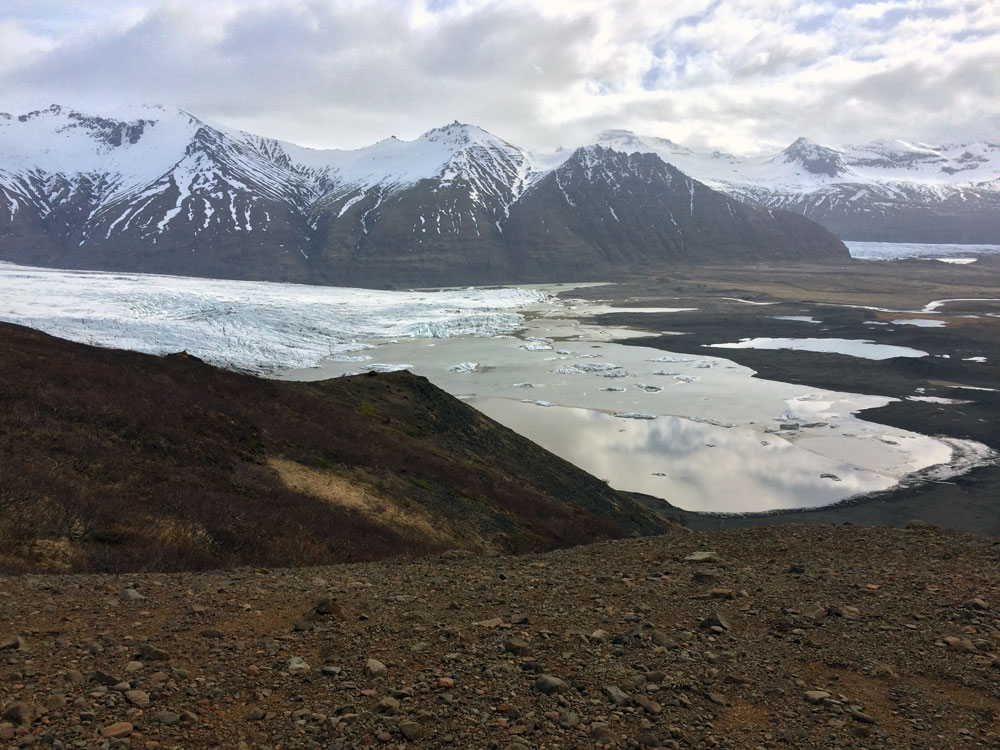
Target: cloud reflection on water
{"type": "Point", "coordinates": [739, 475]}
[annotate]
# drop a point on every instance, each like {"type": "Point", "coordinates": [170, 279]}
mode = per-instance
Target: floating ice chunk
{"type": "Point", "coordinates": [666, 372]}
{"type": "Point", "coordinates": [789, 417]}
{"type": "Point", "coordinates": [464, 367]}
{"type": "Point", "coordinates": [537, 346]}
{"type": "Point", "coordinates": [613, 388]}
{"type": "Point", "coordinates": [563, 351]}
{"type": "Point", "coordinates": [349, 358]}
{"type": "Point", "coordinates": [590, 356]}
{"type": "Point", "coordinates": [581, 368]}
{"type": "Point", "coordinates": [667, 358]}
{"type": "Point", "coordinates": [697, 419]}
{"type": "Point", "coordinates": [648, 388]}
{"type": "Point", "coordinates": [522, 385]}
{"type": "Point", "coordinates": [545, 403]}
{"type": "Point", "coordinates": [685, 378]}
{"type": "Point", "coordinates": [704, 365]}
{"type": "Point", "coordinates": [711, 445]}
{"type": "Point", "coordinates": [809, 397]}
{"type": "Point", "coordinates": [633, 415]}
{"type": "Point", "coordinates": [974, 359]}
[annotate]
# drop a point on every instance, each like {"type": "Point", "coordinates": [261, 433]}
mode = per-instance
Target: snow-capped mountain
{"type": "Point", "coordinates": [888, 191]}
{"type": "Point", "coordinates": [158, 190]}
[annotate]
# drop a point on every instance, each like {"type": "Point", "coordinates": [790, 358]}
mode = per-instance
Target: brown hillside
{"type": "Point", "coordinates": [117, 461]}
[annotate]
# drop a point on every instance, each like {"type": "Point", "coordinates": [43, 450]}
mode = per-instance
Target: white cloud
{"type": "Point", "coordinates": [732, 74]}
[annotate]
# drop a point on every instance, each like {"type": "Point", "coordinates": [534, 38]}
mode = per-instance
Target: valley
{"type": "Point", "coordinates": [628, 380]}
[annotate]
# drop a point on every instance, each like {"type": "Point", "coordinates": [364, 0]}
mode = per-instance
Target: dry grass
{"type": "Point", "coordinates": [353, 494]}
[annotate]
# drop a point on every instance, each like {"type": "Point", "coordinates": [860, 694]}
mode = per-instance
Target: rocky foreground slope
{"type": "Point", "coordinates": [824, 637]}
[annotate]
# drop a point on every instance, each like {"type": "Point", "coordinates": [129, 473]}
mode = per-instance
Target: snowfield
{"type": "Point", "coordinates": [257, 327]}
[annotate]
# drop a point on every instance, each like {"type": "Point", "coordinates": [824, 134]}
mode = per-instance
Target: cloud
{"type": "Point", "coordinates": [732, 74]}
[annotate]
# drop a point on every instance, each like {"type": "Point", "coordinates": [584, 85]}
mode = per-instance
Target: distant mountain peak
{"type": "Point", "coordinates": [458, 133]}
{"type": "Point", "coordinates": [814, 158]}
{"type": "Point", "coordinates": [628, 141]}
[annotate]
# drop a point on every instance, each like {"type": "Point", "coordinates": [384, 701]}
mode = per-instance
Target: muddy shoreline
{"type": "Point", "coordinates": [729, 309]}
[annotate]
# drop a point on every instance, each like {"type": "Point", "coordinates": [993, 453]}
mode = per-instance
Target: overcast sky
{"type": "Point", "coordinates": [739, 75]}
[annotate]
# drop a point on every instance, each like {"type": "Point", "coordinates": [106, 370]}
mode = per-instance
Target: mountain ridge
{"type": "Point", "coordinates": [881, 191]}
{"type": "Point", "coordinates": [168, 192]}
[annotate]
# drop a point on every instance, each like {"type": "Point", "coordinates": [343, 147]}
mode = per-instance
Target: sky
{"type": "Point", "coordinates": [737, 75]}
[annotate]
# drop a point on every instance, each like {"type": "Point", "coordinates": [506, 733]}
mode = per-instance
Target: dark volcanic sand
{"type": "Point", "coordinates": [970, 502]}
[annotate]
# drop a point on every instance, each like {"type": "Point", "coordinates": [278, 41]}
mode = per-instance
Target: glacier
{"type": "Point", "coordinates": [254, 327]}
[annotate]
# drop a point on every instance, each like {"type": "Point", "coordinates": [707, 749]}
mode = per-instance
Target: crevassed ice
{"type": "Point", "coordinates": [257, 327]}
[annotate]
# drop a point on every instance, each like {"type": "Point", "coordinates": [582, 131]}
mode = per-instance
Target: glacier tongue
{"type": "Point", "coordinates": [257, 327]}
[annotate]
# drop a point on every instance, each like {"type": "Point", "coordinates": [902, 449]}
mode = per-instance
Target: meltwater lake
{"type": "Point", "coordinates": [698, 431]}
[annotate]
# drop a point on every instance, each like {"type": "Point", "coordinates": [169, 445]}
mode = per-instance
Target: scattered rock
{"type": "Point", "coordinates": [297, 665]}
{"type": "Point", "coordinates": [647, 704]}
{"type": "Point", "coordinates": [546, 683]}
{"type": "Point", "coordinates": [569, 719]}
{"type": "Point", "coordinates": [517, 647]}
{"type": "Point", "coordinates": [714, 620]}
{"type": "Point", "coordinates": [600, 636]}
{"type": "Point", "coordinates": [117, 730]}
{"type": "Point", "coordinates": [167, 718]}
{"type": "Point", "coordinates": [603, 735]}
{"type": "Point", "coordinates": [411, 731]}
{"type": "Point", "coordinates": [617, 696]}
{"type": "Point", "coordinates": [21, 713]}
{"type": "Point", "coordinates": [12, 643]}
{"type": "Point", "coordinates": [961, 645]}
{"type": "Point", "coordinates": [858, 715]}
{"type": "Point", "coordinates": [328, 606]}
{"type": "Point", "coordinates": [703, 556]}
{"type": "Point", "coordinates": [152, 653]}
{"type": "Point", "coordinates": [137, 698]}
{"type": "Point", "coordinates": [374, 667]}
{"type": "Point", "coordinates": [816, 696]}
